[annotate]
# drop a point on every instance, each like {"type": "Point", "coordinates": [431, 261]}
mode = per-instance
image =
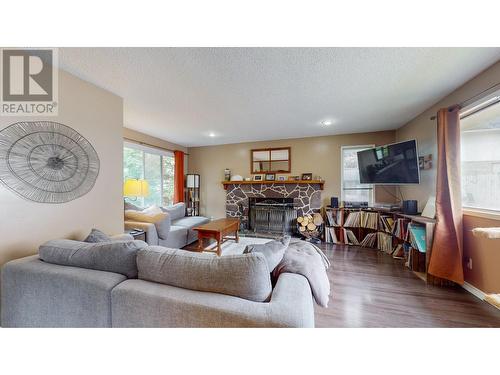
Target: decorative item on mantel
{"type": "Point", "coordinates": [310, 227]}
{"type": "Point", "coordinates": [307, 176]}
{"type": "Point", "coordinates": [227, 174]}
{"type": "Point", "coordinates": [237, 178]}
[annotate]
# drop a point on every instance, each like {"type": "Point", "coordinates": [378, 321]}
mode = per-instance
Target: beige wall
{"type": "Point", "coordinates": [424, 130]}
{"type": "Point", "coordinates": [485, 273]}
{"type": "Point", "coordinates": [98, 116]}
{"type": "Point", "coordinates": [318, 155]}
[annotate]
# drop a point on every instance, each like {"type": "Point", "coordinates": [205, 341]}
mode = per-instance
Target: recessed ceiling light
{"type": "Point", "coordinates": [327, 122]}
{"type": "Point", "coordinates": [211, 135]}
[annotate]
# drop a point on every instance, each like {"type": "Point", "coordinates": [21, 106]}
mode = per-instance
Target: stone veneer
{"type": "Point", "coordinates": [307, 197]}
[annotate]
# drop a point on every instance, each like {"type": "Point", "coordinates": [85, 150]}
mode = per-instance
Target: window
{"type": "Point", "coordinates": [480, 148]}
{"type": "Point", "coordinates": [352, 189]}
{"type": "Point", "coordinates": [154, 165]}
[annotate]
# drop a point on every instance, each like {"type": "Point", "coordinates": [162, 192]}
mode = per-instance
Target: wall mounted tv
{"type": "Point", "coordinates": [392, 164]}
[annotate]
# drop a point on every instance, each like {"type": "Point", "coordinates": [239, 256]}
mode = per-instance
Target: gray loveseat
{"type": "Point", "coordinates": [72, 284]}
{"type": "Point", "coordinates": [179, 227]}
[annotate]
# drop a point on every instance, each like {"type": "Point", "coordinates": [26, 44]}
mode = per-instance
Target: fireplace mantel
{"type": "Point", "coordinates": [298, 182]}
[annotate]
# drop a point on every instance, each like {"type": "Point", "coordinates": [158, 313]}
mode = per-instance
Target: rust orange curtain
{"type": "Point", "coordinates": [447, 247]}
{"type": "Point", "coordinates": [179, 177]}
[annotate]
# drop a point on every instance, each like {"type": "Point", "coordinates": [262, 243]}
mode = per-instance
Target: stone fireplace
{"type": "Point", "coordinates": [303, 197]}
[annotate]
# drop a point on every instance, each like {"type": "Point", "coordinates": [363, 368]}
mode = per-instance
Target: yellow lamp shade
{"type": "Point", "coordinates": [135, 188]}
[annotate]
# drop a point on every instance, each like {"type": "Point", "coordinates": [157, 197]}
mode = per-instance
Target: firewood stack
{"type": "Point", "coordinates": [310, 225]}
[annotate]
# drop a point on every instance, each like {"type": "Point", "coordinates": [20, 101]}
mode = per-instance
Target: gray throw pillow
{"type": "Point", "coordinates": [163, 227]}
{"type": "Point", "coordinates": [240, 275]}
{"type": "Point", "coordinates": [97, 236]}
{"type": "Point", "coordinates": [112, 256]}
{"type": "Point", "coordinates": [176, 211]}
{"type": "Point", "coordinates": [273, 251]}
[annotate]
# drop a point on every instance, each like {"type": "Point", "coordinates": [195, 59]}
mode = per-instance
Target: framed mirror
{"type": "Point", "coordinates": [272, 160]}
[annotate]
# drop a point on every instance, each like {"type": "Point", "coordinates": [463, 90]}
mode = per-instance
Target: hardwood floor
{"type": "Point", "coordinates": [371, 289]}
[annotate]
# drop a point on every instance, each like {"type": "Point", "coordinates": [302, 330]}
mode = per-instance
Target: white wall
{"type": "Point", "coordinates": [97, 115]}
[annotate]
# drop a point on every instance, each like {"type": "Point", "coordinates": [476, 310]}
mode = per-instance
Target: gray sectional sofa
{"type": "Point", "coordinates": [73, 284]}
{"type": "Point", "coordinates": [179, 232]}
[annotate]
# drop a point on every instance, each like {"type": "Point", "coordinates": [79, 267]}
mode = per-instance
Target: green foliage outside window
{"type": "Point", "coordinates": [144, 165]}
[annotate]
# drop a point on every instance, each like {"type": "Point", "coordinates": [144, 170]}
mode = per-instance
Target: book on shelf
{"type": "Point", "coordinates": [330, 235]}
{"type": "Point", "coordinates": [398, 252]}
{"type": "Point", "coordinates": [333, 218]}
{"type": "Point", "coordinates": [416, 236]}
{"type": "Point", "coordinates": [407, 253]}
{"type": "Point", "coordinates": [386, 223]}
{"type": "Point", "coordinates": [400, 228]}
{"type": "Point", "coordinates": [350, 237]}
{"type": "Point", "coordinates": [353, 219]}
{"type": "Point", "coordinates": [368, 219]}
{"type": "Point", "coordinates": [384, 242]}
{"type": "Point", "coordinates": [369, 240]}
{"type": "Point", "coordinates": [415, 260]}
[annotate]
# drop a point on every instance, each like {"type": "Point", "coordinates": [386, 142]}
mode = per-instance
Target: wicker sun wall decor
{"type": "Point", "coordinates": [47, 162]}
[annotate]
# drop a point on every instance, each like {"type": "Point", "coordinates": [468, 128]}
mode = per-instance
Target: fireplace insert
{"type": "Point", "coordinates": [274, 215]}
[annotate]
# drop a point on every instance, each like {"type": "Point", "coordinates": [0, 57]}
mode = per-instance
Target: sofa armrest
{"type": "Point", "coordinates": [150, 229]}
{"type": "Point", "coordinates": [291, 303]}
{"type": "Point", "coordinates": [40, 294]}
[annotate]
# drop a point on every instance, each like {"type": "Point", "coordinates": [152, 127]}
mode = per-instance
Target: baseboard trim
{"type": "Point", "coordinates": [473, 290]}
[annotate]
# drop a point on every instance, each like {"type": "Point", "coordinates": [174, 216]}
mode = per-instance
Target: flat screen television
{"type": "Point", "coordinates": [392, 164]}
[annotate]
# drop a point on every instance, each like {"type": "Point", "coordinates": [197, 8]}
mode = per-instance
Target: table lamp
{"type": "Point", "coordinates": [135, 188]}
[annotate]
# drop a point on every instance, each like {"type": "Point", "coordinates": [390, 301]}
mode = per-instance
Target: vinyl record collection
{"type": "Point", "coordinates": [399, 235]}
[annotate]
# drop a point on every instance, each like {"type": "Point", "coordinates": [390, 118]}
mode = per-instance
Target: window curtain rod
{"type": "Point", "coordinates": [150, 145]}
{"type": "Point", "coordinates": [474, 98]}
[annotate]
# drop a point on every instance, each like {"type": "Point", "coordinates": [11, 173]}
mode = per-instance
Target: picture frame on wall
{"type": "Point", "coordinates": [258, 177]}
{"type": "Point", "coordinates": [425, 162]}
{"type": "Point", "coordinates": [270, 176]}
{"type": "Point", "coordinates": [307, 176]}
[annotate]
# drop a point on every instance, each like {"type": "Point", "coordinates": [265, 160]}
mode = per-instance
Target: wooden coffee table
{"type": "Point", "coordinates": [218, 230]}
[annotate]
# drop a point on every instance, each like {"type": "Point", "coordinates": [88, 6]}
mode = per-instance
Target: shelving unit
{"type": "Point", "coordinates": [192, 194]}
{"type": "Point", "coordinates": [387, 231]}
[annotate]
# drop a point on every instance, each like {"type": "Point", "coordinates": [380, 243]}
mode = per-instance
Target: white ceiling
{"type": "Point", "coordinates": [248, 94]}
